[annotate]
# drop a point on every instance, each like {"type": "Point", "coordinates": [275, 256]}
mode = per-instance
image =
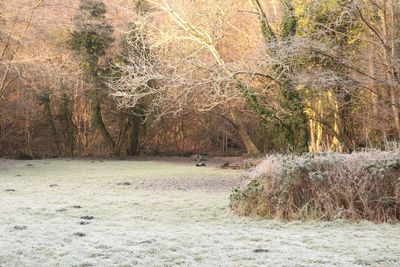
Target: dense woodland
{"type": "Point", "coordinates": [174, 77]}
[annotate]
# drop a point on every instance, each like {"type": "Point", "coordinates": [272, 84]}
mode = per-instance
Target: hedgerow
{"type": "Point", "coordinates": [326, 186]}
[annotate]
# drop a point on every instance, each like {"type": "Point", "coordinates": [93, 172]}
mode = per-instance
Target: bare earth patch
{"type": "Point", "coordinates": [161, 214]}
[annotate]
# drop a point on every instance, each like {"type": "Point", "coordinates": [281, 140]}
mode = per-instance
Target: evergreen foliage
{"type": "Point", "coordinates": [93, 34]}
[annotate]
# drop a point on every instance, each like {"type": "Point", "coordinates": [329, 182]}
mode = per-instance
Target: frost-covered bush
{"type": "Point", "coordinates": [362, 185]}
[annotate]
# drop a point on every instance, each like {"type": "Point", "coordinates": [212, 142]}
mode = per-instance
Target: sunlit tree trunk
{"type": "Point", "coordinates": [336, 144]}
{"type": "Point", "coordinates": [252, 150]}
{"type": "Point", "coordinates": [315, 127]}
{"type": "Point", "coordinates": [390, 53]}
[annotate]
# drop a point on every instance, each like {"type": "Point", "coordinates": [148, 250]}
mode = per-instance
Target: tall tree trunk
{"type": "Point", "coordinates": [135, 124]}
{"type": "Point", "coordinates": [394, 7]}
{"type": "Point", "coordinates": [295, 128]}
{"type": "Point", "coordinates": [313, 143]}
{"type": "Point", "coordinates": [67, 114]}
{"type": "Point", "coordinates": [336, 145]}
{"type": "Point", "coordinates": [99, 123]}
{"type": "Point", "coordinates": [372, 71]}
{"type": "Point", "coordinates": [121, 136]}
{"type": "Point", "coordinates": [53, 128]}
{"type": "Point", "coordinates": [315, 126]}
{"type": "Point", "coordinates": [316, 136]}
{"type": "Point", "coordinates": [344, 120]}
{"type": "Point", "coordinates": [28, 135]}
{"type": "Point", "coordinates": [389, 49]}
{"type": "Point", "coordinates": [1, 136]}
{"type": "Point", "coordinates": [252, 150]}
{"type": "Point", "coordinates": [45, 101]}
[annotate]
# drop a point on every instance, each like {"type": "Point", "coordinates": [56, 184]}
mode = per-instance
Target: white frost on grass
{"type": "Point", "coordinates": [170, 215]}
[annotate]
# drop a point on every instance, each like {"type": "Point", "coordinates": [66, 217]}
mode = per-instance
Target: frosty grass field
{"type": "Point", "coordinates": [161, 214]}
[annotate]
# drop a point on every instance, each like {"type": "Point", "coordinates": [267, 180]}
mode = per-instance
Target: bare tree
{"type": "Point", "coordinates": [193, 74]}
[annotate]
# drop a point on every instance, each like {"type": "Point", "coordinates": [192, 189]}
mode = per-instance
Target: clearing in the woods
{"type": "Point", "coordinates": [148, 213]}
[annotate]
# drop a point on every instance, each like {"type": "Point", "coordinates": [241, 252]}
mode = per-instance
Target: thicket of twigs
{"type": "Point", "coordinates": [327, 186]}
